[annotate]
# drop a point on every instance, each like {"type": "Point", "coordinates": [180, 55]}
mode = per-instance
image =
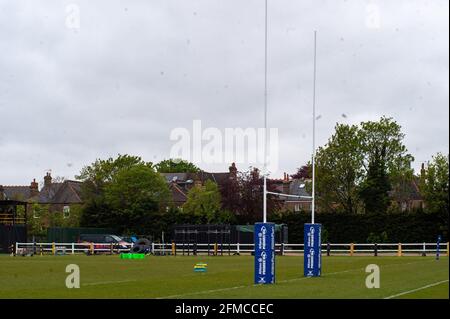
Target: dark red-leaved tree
{"type": "Point", "coordinates": [303, 172]}
{"type": "Point", "coordinates": [244, 197]}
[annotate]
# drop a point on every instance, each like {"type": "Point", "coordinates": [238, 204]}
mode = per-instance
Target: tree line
{"type": "Point", "coordinates": [361, 171]}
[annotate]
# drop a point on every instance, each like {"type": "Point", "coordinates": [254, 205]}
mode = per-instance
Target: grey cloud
{"type": "Point", "coordinates": [134, 71]}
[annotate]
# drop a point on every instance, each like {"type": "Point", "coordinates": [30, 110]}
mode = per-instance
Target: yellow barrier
{"type": "Point", "coordinates": [399, 252]}
{"type": "Point", "coordinates": [352, 249]}
{"type": "Point", "coordinates": [53, 248]}
{"type": "Point", "coordinates": [216, 248]}
{"type": "Point", "coordinates": [92, 248]}
{"type": "Point", "coordinates": [173, 249]}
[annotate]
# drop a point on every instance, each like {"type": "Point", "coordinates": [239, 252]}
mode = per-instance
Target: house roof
{"type": "Point", "coordinates": [17, 192]}
{"type": "Point", "coordinates": [180, 183]}
{"type": "Point", "coordinates": [219, 178]}
{"type": "Point", "coordinates": [48, 192]}
{"type": "Point", "coordinates": [178, 194]}
{"type": "Point", "coordinates": [407, 190]}
{"type": "Point", "coordinates": [180, 178]}
{"type": "Point", "coordinates": [68, 193]}
{"type": "Point", "coordinates": [298, 187]}
{"type": "Point", "coordinates": [176, 177]}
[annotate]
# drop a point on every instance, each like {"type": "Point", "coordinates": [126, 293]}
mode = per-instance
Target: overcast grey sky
{"type": "Point", "coordinates": [135, 70]}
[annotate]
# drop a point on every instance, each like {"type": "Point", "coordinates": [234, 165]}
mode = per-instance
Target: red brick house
{"type": "Point", "coordinates": [59, 196]}
{"type": "Point", "coordinates": [181, 183]}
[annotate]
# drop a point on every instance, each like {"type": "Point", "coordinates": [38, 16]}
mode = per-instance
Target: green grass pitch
{"type": "Point", "coordinates": [226, 277]}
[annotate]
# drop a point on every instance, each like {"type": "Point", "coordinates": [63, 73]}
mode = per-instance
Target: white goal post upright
{"type": "Point", "coordinates": [312, 257]}
{"type": "Point", "coordinates": [265, 119]}
{"type": "Point", "coordinates": [265, 192]}
{"type": "Point", "coordinates": [314, 134]}
{"type": "Point", "coordinates": [264, 233]}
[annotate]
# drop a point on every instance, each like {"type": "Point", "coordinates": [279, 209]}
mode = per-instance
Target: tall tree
{"type": "Point", "coordinates": [386, 162]}
{"type": "Point", "coordinates": [339, 170]}
{"type": "Point", "coordinates": [176, 166]}
{"type": "Point", "coordinates": [434, 185]}
{"type": "Point", "coordinates": [385, 134]}
{"type": "Point", "coordinates": [371, 156]}
{"type": "Point", "coordinates": [374, 189]}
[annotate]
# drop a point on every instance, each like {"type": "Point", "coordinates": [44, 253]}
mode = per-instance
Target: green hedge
{"type": "Point", "coordinates": [346, 228]}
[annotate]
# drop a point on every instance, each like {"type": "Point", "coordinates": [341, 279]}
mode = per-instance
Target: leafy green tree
{"type": "Point", "coordinates": [434, 185]}
{"type": "Point", "coordinates": [42, 216]}
{"type": "Point", "coordinates": [383, 139]}
{"type": "Point", "coordinates": [123, 193]}
{"type": "Point", "coordinates": [137, 196]}
{"type": "Point", "coordinates": [339, 170]}
{"type": "Point", "coordinates": [176, 166]}
{"type": "Point", "coordinates": [100, 173]}
{"type": "Point", "coordinates": [226, 217]}
{"type": "Point", "coordinates": [359, 164]}
{"type": "Point", "coordinates": [374, 189]}
{"type": "Point", "coordinates": [203, 203]}
{"type": "Point", "coordinates": [386, 162]}
{"type": "Point", "coordinates": [38, 220]}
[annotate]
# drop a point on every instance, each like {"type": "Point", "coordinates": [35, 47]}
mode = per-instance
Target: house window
{"type": "Point", "coordinates": [66, 211]}
{"type": "Point", "coordinates": [404, 206]}
{"type": "Point", "coordinates": [35, 213]}
{"type": "Point", "coordinates": [297, 207]}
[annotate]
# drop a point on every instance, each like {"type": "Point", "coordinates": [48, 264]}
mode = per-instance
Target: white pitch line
{"type": "Point", "coordinates": [324, 275]}
{"type": "Point", "coordinates": [281, 281]}
{"type": "Point", "coordinates": [354, 269]}
{"type": "Point", "coordinates": [247, 286]}
{"type": "Point", "coordinates": [106, 282]}
{"type": "Point", "coordinates": [417, 289]}
{"type": "Point", "coordinates": [203, 292]}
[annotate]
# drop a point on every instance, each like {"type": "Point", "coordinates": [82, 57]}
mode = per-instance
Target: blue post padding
{"type": "Point", "coordinates": [312, 259]}
{"type": "Point", "coordinates": [264, 237]}
{"type": "Point", "coordinates": [438, 244]}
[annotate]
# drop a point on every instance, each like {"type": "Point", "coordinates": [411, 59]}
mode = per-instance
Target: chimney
{"type": "Point", "coordinates": [47, 180]}
{"type": "Point", "coordinates": [34, 188]}
{"type": "Point", "coordinates": [2, 193]}
{"type": "Point", "coordinates": [422, 171]}
{"type": "Point", "coordinates": [286, 184]}
{"type": "Point", "coordinates": [255, 174]}
{"type": "Point", "coordinates": [233, 171]}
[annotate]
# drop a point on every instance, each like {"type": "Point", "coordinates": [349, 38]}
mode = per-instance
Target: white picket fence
{"type": "Point", "coordinates": [351, 249]}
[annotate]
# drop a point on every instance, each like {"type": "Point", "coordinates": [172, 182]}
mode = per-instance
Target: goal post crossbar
{"type": "Point", "coordinates": [289, 195]}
